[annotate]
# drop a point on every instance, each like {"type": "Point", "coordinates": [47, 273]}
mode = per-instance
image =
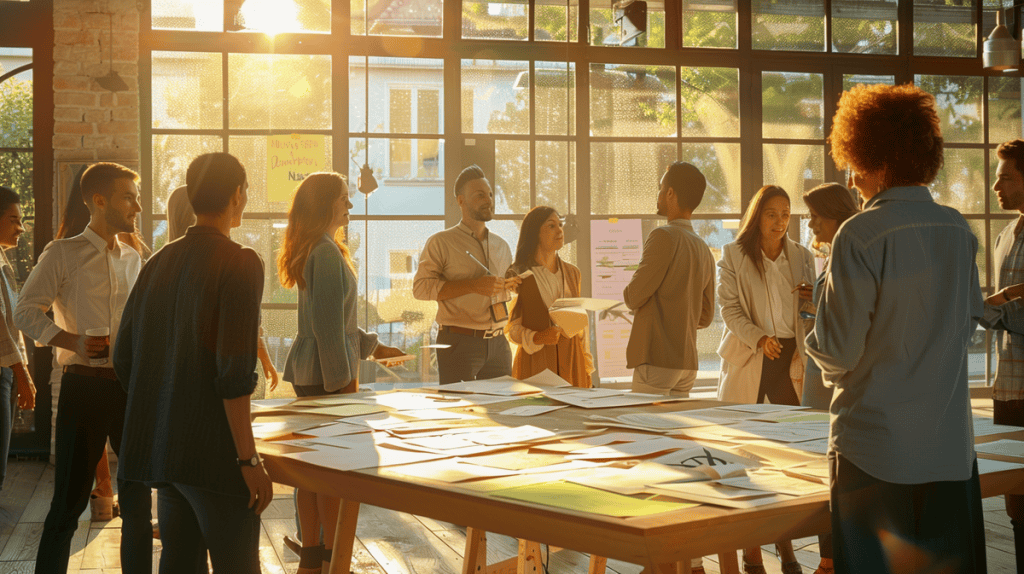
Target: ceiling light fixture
{"type": "Point", "coordinates": [1001, 52]}
{"type": "Point", "coordinates": [112, 82]}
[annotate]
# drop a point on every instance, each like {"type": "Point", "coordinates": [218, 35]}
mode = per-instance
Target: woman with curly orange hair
{"type": "Point", "coordinates": [893, 325]}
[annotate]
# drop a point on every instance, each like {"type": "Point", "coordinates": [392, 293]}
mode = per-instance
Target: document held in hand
{"type": "Point", "coordinates": [569, 313]}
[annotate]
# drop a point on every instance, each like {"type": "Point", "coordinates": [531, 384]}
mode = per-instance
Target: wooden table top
{"type": "Point", "coordinates": [660, 538]}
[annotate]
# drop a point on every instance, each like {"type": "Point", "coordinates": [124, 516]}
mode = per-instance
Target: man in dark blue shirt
{"type": "Point", "coordinates": [186, 355]}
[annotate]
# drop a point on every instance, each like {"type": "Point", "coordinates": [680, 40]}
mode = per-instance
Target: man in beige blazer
{"type": "Point", "coordinates": [672, 293]}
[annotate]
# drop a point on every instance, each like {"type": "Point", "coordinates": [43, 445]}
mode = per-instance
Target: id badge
{"type": "Point", "coordinates": [499, 311]}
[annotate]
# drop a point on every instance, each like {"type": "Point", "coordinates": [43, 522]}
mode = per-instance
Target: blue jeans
{"type": "Point", "coordinates": [6, 419]}
{"type": "Point", "coordinates": [194, 520]}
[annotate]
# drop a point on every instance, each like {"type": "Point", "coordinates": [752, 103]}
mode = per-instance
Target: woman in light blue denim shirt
{"type": "Point", "coordinates": [830, 204]}
{"type": "Point", "coordinates": [324, 358]}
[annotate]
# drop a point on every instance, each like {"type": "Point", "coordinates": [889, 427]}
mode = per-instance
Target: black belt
{"type": "Point", "coordinates": [95, 372]}
{"type": "Point", "coordinates": [479, 333]}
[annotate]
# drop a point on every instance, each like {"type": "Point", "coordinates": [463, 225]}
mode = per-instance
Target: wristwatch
{"type": "Point", "coordinates": [254, 461]}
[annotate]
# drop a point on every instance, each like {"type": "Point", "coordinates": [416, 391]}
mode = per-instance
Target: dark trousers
{"type": "Point", "coordinates": [471, 358]}
{"type": "Point", "coordinates": [194, 521]}
{"type": "Point", "coordinates": [880, 527]}
{"type": "Point", "coordinates": [776, 383]}
{"type": "Point", "coordinates": [6, 419]}
{"type": "Point", "coordinates": [89, 410]}
{"type": "Point", "coordinates": [1012, 413]}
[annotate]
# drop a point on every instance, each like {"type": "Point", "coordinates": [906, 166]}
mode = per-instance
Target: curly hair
{"type": "Point", "coordinates": [889, 129]}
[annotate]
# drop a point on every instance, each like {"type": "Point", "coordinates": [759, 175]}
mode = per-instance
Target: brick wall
{"type": "Point", "coordinates": [92, 123]}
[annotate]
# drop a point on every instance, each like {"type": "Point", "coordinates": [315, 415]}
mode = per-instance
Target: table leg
{"type": "Point", "coordinates": [728, 563]}
{"type": "Point", "coordinates": [597, 564]}
{"type": "Point", "coordinates": [529, 558]}
{"type": "Point", "coordinates": [475, 558]}
{"type": "Point", "coordinates": [344, 537]}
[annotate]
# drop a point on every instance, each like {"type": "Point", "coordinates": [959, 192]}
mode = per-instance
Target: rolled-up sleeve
{"type": "Point", "coordinates": [38, 295]}
{"type": "Point", "coordinates": [844, 311]}
{"type": "Point", "coordinates": [429, 279]}
{"type": "Point", "coordinates": [238, 326]}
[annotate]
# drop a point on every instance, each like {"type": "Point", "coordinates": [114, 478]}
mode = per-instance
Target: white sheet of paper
{"type": "Point", "coordinates": [987, 465]}
{"type": "Point", "coordinates": [608, 438]}
{"type": "Point", "coordinates": [776, 483]}
{"type": "Point", "coordinates": [346, 441]}
{"type": "Point", "coordinates": [547, 378]}
{"type": "Point", "coordinates": [760, 408]}
{"type": "Point", "coordinates": [362, 458]}
{"type": "Point", "coordinates": [663, 420]}
{"type": "Point", "coordinates": [1005, 447]}
{"type": "Point", "coordinates": [638, 478]}
{"type": "Point", "coordinates": [779, 455]}
{"type": "Point", "coordinates": [572, 320]}
{"type": "Point", "coordinates": [623, 400]}
{"type": "Point", "coordinates": [437, 415]}
{"type": "Point", "coordinates": [335, 429]}
{"type": "Point", "coordinates": [530, 410]}
{"type": "Point", "coordinates": [588, 303]}
{"type": "Point", "coordinates": [511, 435]}
{"type": "Point", "coordinates": [449, 470]}
{"type": "Point", "coordinates": [633, 449]}
{"type": "Point", "coordinates": [486, 399]}
{"type": "Point", "coordinates": [719, 495]}
{"type": "Point", "coordinates": [704, 455]}
{"type": "Point", "coordinates": [751, 430]}
{"type": "Point", "coordinates": [983, 426]}
{"type": "Point", "coordinates": [443, 442]}
{"type": "Point", "coordinates": [407, 401]}
{"type": "Point", "coordinates": [503, 386]}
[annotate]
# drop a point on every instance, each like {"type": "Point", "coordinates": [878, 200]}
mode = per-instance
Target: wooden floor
{"type": "Point", "coordinates": [388, 542]}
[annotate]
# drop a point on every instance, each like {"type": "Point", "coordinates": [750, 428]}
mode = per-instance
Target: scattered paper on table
{"type": "Point", "coordinates": [572, 496]}
{"type": "Point", "coordinates": [760, 408]}
{"type": "Point", "coordinates": [634, 449]}
{"type": "Point", "coordinates": [530, 410]}
{"type": "Point", "coordinates": [342, 411]}
{"type": "Point", "coordinates": [637, 478]}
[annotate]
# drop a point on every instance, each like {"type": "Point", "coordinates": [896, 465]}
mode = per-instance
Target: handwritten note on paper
{"type": "Point", "coordinates": [290, 158]}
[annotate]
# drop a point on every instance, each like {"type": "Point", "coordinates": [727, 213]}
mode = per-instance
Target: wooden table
{"type": "Point", "coordinates": [662, 542]}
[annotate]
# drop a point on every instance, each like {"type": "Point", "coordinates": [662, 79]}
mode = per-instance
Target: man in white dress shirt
{"type": "Point", "coordinates": [86, 280]}
{"type": "Point", "coordinates": [462, 268]}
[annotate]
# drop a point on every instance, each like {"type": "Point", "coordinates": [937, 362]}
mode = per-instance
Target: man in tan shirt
{"type": "Point", "coordinates": [462, 268]}
{"type": "Point", "coordinates": [672, 292]}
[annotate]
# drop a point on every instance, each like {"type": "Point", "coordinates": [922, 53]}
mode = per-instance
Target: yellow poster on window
{"type": "Point", "coordinates": [290, 158]}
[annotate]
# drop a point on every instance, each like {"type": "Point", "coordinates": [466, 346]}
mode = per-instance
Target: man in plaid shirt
{"type": "Point", "coordinates": [1007, 315]}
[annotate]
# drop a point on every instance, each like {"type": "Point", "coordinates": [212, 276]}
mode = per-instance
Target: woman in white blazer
{"type": "Point", "coordinates": [752, 342]}
{"type": "Point", "coordinates": [762, 347]}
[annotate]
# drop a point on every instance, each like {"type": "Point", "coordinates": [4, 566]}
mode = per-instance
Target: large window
{"type": "Point", "coordinates": [580, 105]}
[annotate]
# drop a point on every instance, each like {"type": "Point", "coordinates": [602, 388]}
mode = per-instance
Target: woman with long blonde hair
{"type": "Point", "coordinates": [324, 358]}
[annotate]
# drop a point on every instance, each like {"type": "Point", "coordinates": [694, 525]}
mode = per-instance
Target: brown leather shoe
{"type": "Point", "coordinates": [750, 568]}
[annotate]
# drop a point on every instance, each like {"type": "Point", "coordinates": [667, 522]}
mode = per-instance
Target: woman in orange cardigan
{"type": "Point", "coordinates": [546, 347]}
